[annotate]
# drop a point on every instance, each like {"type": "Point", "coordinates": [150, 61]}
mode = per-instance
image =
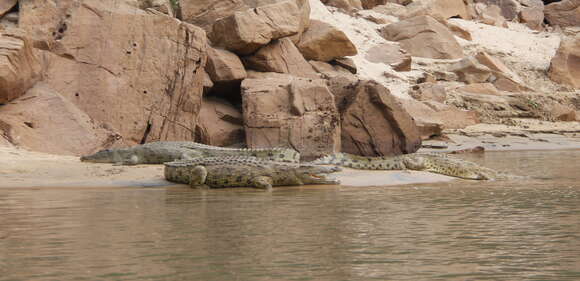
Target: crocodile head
{"type": "Point", "coordinates": [107, 156]}
{"type": "Point", "coordinates": [313, 174]}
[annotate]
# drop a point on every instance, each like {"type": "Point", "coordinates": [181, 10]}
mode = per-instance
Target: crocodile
{"type": "Point", "coordinates": [167, 151]}
{"type": "Point", "coordinates": [236, 171]}
{"type": "Point", "coordinates": [428, 162]}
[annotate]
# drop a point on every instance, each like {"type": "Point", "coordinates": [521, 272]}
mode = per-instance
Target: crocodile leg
{"type": "Point", "coordinates": [263, 182]}
{"type": "Point", "coordinates": [197, 177]}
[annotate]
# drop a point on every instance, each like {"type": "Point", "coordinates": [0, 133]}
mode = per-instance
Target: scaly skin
{"type": "Point", "coordinates": [246, 171]}
{"type": "Point", "coordinates": [429, 162]}
{"type": "Point", "coordinates": [167, 151]}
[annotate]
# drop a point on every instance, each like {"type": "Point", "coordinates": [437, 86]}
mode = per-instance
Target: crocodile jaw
{"type": "Point", "coordinates": [318, 175]}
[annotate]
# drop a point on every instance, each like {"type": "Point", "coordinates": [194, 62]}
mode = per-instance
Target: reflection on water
{"type": "Point", "coordinates": [515, 230]}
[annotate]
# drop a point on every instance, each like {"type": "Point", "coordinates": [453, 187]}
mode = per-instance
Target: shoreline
{"type": "Point", "coordinates": [23, 169]}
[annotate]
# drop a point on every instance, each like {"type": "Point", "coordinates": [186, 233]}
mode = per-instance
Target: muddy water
{"type": "Point", "coordinates": [513, 230]}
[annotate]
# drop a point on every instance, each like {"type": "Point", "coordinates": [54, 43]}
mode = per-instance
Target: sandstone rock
{"type": "Point", "coordinates": [207, 83]}
{"type": "Point", "coordinates": [324, 42]}
{"type": "Point", "coordinates": [43, 120]}
{"type": "Point", "coordinates": [491, 15]}
{"type": "Point", "coordinates": [375, 124]}
{"type": "Point", "coordinates": [204, 13]}
{"type": "Point", "coordinates": [369, 4]}
{"type": "Point", "coordinates": [291, 112]}
{"type": "Point", "coordinates": [508, 9]}
{"type": "Point", "coordinates": [469, 70]}
{"type": "Point", "coordinates": [19, 66]}
{"type": "Point", "coordinates": [438, 9]}
{"type": "Point", "coordinates": [459, 31]}
{"type": "Point", "coordinates": [139, 74]}
{"type": "Point", "coordinates": [347, 5]}
{"type": "Point", "coordinates": [433, 118]}
{"type": "Point", "coordinates": [224, 66]}
{"type": "Point", "coordinates": [429, 91]}
{"type": "Point", "coordinates": [219, 124]}
{"type": "Point", "coordinates": [391, 9]}
{"type": "Point", "coordinates": [533, 17]}
{"type": "Point", "coordinates": [504, 78]}
{"type": "Point", "coordinates": [280, 56]}
{"type": "Point", "coordinates": [564, 13]}
{"type": "Point", "coordinates": [479, 88]}
{"type": "Point", "coordinates": [162, 6]}
{"type": "Point", "coordinates": [423, 36]}
{"type": "Point", "coordinates": [565, 66]}
{"type": "Point", "coordinates": [7, 5]}
{"type": "Point", "coordinates": [327, 69]}
{"type": "Point", "coordinates": [391, 54]}
{"type": "Point", "coordinates": [245, 32]}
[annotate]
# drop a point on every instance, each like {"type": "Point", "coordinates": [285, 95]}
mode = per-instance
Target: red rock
{"type": "Point", "coordinates": [280, 56]}
{"type": "Point", "coordinates": [19, 66]}
{"type": "Point", "coordinates": [220, 124]}
{"type": "Point", "coordinates": [423, 36]}
{"type": "Point", "coordinates": [375, 124]}
{"type": "Point", "coordinates": [324, 42]}
{"type": "Point", "coordinates": [291, 112]}
{"type": "Point", "coordinates": [565, 66]}
{"type": "Point", "coordinates": [563, 13]}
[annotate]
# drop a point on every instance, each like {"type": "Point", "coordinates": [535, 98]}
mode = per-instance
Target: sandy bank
{"type": "Point", "coordinates": [21, 168]}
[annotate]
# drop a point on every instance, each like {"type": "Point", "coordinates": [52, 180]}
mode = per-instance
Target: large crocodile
{"type": "Point", "coordinates": [246, 171]}
{"type": "Point", "coordinates": [429, 162]}
{"type": "Point", "coordinates": [167, 151]}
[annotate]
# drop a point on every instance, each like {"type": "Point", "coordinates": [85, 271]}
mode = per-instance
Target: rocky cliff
{"type": "Point", "coordinates": [364, 77]}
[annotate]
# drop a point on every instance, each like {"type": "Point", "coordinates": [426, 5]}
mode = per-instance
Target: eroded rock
{"type": "Point", "coordinates": [423, 36]}
{"type": "Point", "coordinates": [563, 13]}
{"type": "Point", "coordinates": [19, 66]}
{"type": "Point", "coordinates": [291, 112]}
{"type": "Point", "coordinates": [280, 56]}
{"type": "Point", "coordinates": [324, 42]}
{"type": "Point", "coordinates": [375, 124]}
{"type": "Point", "coordinates": [565, 66]}
{"type": "Point", "coordinates": [220, 123]}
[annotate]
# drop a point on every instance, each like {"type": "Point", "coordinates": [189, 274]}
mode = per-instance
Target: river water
{"type": "Point", "coordinates": [526, 229]}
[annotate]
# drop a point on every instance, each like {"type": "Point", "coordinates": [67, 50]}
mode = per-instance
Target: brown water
{"type": "Point", "coordinates": [513, 230]}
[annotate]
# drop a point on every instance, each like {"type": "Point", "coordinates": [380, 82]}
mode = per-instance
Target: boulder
{"type": "Point", "coordinates": [390, 54]}
{"type": "Point", "coordinates": [432, 117]}
{"type": "Point", "coordinates": [533, 16]}
{"type": "Point", "coordinates": [564, 13]}
{"type": "Point", "coordinates": [6, 6]}
{"type": "Point", "coordinates": [438, 9]}
{"type": "Point", "coordinates": [459, 31]}
{"type": "Point", "coordinates": [291, 112]}
{"type": "Point", "coordinates": [347, 5]}
{"type": "Point", "coordinates": [280, 56]}
{"type": "Point", "coordinates": [491, 15]}
{"type": "Point", "coordinates": [324, 42]}
{"type": "Point", "coordinates": [19, 66]}
{"type": "Point", "coordinates": [508, 9]}
{"type": "Point", "coordinates": [244, 32]}
{"type": "Point", "coordinates": [429, 91]}
{"type": "Point", "coordinates": [565, 66]}
{"type": "Point", "coordinates": [469, 70]}
{"type": "Point", "coordinates": [224, 66]}
{"type": "Point", "coordinates": [138, 74]}
{"type": "Point", "coordinates": [346, 63]}
{"type": "Point", "coordinates": [219, 124]}
{"type": "Point", "coordinates": [423, 36]}
{"type": "Point", "coordinates": [204, 13]}
{"type": "Point", "coordinates": [504, 78]}
{"type": "Point", "coordinates": [375, 124]}
{"type": "Point", "coordinates": [43, 120]}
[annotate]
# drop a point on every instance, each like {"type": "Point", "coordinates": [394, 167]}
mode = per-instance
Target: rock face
{"type": "Point", "coordinates": [280, 56]}
{"type": "Point", "coordinates": [138, 74]}
{"type": "Point", "coordinates": [324, 42]}
{"type": "Point", "coordinates": [204, 13]}
{"type": "Point", "coordinates": [244, 32]}
{"type": "Point", "coordinates": [6, 5]}
{"type": "Point", "coordinates": [219, 124]}
{"type": "Point", "coordinates": [565, 66]}
{"type": "Point", "coordinates": [564, 13]}
{"type": "Point", "coordinates": [19, 66]}
{"type": "Point", "coordinates": [291, 112]}
{"type": "Point", "coordinates": [423, 36]}
{"type": "Point", "coordinates": [43, 120]}
{"type": "Point", "coordinates": [375, 124]}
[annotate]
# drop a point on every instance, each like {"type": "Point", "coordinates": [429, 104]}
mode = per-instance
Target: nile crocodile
{"type": "Point", "coordinates": [429, 162]}
{"type": "Point", "coordinates": [238, 171]}
{"type": "Point", "coordinates": [167, 151]}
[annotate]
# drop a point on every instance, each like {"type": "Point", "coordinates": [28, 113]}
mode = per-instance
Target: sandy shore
{"type": "Point", "coordinates": [21, 168]}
